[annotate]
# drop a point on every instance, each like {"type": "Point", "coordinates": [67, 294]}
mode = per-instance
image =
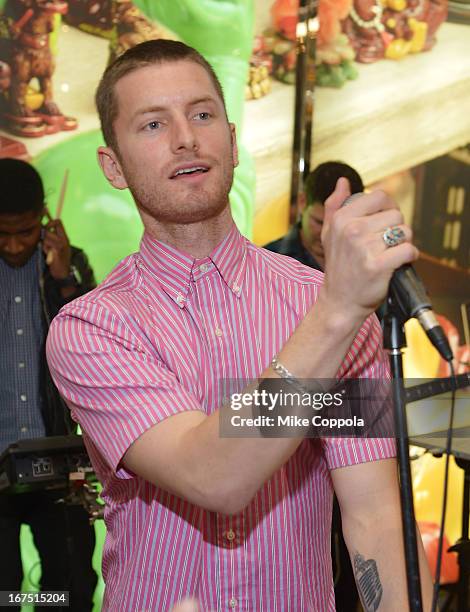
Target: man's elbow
{"type": "Point", "coordinates": [227, 500]}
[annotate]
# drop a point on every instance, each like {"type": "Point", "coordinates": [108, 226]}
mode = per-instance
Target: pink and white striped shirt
{"type": "Point", "coordinates": [155, 339]}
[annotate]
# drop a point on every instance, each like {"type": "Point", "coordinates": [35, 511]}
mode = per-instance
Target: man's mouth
{"type": "Point", "coordinates": [15, 261]}
{"type": "Point", "coordinates": [189, 171]}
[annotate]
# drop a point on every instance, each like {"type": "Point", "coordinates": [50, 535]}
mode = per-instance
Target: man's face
{"type": "Point", "coordinates": [177, 151]}
{"type": "Point", "coordinates": [311, 226]}
{"type": "Point", "coordinates": [19, 237]}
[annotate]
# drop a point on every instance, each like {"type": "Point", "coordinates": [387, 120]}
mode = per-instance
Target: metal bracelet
{"type": "Point", "coordinates": [284, 373]}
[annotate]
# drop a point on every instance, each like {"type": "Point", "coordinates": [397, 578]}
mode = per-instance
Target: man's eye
{"type": "Point", "coordinates": [153, 125]}
{"type": "Point", "coordinates": [204, 116]}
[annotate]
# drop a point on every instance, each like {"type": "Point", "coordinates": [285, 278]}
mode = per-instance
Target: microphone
{"type": "Point", "coordinates": [408, 292]}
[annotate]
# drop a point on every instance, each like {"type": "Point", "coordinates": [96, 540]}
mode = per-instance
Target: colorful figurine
{"type": "Point", "coordinates": [393, 28]}
{"type": "Point", "coordinates": [91, 16]}
{"type": "Point", "coordinates": [412, 27]}
{"type": "Point", "coordinates": [29, 56]}
{"type": "Point", "coordinates": [335, 55]}
{"type": "Point", "coordinates": [261, 64]}
{"type": "Point", "coordinates": [132, 27]}
{"type": "Point", "coordinates": [8, 146]}
{"type": "Point", "coordinates": [364, 28]}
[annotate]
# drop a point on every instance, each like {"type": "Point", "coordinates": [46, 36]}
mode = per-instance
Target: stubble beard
{"type": "Point", "coordinates": [170, 208]}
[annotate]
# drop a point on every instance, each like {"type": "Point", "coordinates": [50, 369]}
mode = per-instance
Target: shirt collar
{"type": "Point", "coordinates": [174, 269]}
{"type": "Point", "coordinates": [34, 263]}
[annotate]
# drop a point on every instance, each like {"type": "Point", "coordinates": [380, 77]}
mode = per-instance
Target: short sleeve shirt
{"type": "Point", "coordinates": [156, 338]}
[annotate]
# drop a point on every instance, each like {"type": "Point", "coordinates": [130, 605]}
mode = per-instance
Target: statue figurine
{"type": "Point", "coordinates": [9, 147]}
{"type": "Point", "coordinates": [412, 27]}
{"type": "Point", "coordinates": [120, 21]}
{"type": "Point", "coordinates": [92, 16]}
{"type": "Point", "coordinates": [433, 12]}
{"type": "Point", "coordinates": [29, 56]}
{"type": "Point", "coordinates": [133, 27]}
{"type": "Point", "coordinates": [335, 54]}
{"type": "Point", "coordinates": [365, 29]}
{"type": "Point", "coordinates": [393, 28]}
{"type": "Point", "coordinates": [5, 74]}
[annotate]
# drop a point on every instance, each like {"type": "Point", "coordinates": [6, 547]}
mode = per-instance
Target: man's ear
{"type": "Point", "coordinates": [233, 135]}
{"type": "Point", "coordinates": [301, 202]}
{"type": "Point", "coordinates": [111, 167]}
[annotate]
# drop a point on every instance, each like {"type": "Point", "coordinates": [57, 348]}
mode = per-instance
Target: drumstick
{"type": "Point", "coordinates": [60, 203]}
{"type": "Point", "coordinates": [60, 206]}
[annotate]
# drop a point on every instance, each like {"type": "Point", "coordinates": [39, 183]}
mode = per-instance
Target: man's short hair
{"type": "Point", "coordinates": [157, 51]}
{"type": "Point", "coordinates": [321, 182]}
{"type": "Point", "coordinates": [21, 188]}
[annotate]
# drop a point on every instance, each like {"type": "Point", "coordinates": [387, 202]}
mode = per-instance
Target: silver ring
{"type": "Point", "coordinates": [393, 236]}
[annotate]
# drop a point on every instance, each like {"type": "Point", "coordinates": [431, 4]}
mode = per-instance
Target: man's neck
{"type": "Point", "coordinates": [196, 239]}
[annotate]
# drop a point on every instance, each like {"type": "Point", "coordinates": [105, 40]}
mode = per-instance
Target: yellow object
{"type": "Point", "coordinates": [428, 482]}
{"type": "Point", "coordinates": [420, 360]}
{"type": "Point", "coordinates": [420, 30]}
{"type": "Point", "coordinates": [272, 221]}
{"type": "Point", "coordinates": [34, 99]}
{"type": "Point", "coordinates": [395, 5]}
{"type": "Point", "coordinates": [398, 49]}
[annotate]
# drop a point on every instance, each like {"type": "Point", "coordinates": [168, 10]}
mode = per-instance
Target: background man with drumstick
{"type": "Point", "coordinates": [39, 272]}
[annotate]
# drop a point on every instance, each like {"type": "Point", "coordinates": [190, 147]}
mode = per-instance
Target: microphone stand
{"type": "Point", "coordinates": [395, 341]}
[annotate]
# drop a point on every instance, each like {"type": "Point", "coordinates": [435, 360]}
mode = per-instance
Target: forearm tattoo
{"type": "Point", "coordinates": [368, 582]}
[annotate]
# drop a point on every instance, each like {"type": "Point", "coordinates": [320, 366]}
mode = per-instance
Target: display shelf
{"type": "Point", "coordinates": [395, 115]}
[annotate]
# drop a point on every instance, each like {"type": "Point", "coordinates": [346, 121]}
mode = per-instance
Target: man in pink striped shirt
{"type": "Point", "coordinates": [240, 523]}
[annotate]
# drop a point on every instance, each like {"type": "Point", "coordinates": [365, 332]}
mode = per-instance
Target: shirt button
{"type": "Point", "coordinates": [23, 397]}
{"type": "Point", "coordinates": [218, 332]}
{"type": "Point", "coordinates": [236, 288]}
{"type": "Point", "coordinates": [230, 535]}
{"type": "Point", "coordinates": [180, 299]}
{"type": "Point", "coordinates": [18, 299]}
{"type": "Point", "coordinates": [19, 332]}
{"type": "Point", "coordinates": [21, 364]}
{"type": "Point", "coordinates": [24, 429]}
{"type": "Point", "coordinates": [203, 267]}
{"type": "Point", "coordinates": [233, 603]}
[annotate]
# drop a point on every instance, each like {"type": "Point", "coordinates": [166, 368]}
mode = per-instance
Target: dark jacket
{"type": "Point", "coordinates": [291, 245]}
{"type": "Point", "coordinates": [55, 413]}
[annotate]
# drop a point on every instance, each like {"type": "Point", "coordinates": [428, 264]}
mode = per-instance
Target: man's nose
{"type": "Point", "coordinates": [184, 136]}
{"type": "Point", "coordinates": [13, 246]}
